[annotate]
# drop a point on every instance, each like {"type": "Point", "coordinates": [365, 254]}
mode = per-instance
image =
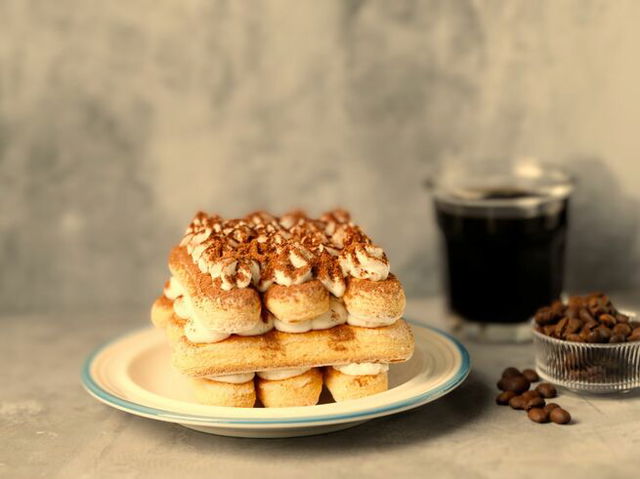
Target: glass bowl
{"type": "Point", "coordinates": [595, 368]}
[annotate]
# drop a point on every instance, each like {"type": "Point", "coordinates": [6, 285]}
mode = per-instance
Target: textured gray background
{"type": "Point", "coordinates": [119, 119]}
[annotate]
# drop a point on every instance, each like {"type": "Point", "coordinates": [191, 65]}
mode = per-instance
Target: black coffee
{"type": "Point", "coordinates": [502, 268]}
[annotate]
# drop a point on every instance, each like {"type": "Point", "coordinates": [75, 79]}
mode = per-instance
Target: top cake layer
{"type": "Point", "coordinates": [261, 250]}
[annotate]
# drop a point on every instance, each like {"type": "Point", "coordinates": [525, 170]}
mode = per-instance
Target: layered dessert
{"type": "Point", "coordinates": [266, 309]}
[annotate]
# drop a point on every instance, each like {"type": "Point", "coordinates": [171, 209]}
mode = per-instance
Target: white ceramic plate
{"type": "Point", "coordinates": [134, 374]}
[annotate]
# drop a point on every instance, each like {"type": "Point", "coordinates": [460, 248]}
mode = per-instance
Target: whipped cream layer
{"type": "Point", "coordinates": [232, 378]}
{"type": "Point", "coordinates": [336, 315]}
{"type": "Point", "coordinates": [370, 322]}
{"type": "Point", "coordinates": [260, 250]}
{"type": "Point", "coordinates": [353, 369]}
{"type": "Point", "coordinates": [362, 369]}
{"type": "Point", "coordinates": [279, 374]}
{"type": "Point", "coordinates": [196, 332]}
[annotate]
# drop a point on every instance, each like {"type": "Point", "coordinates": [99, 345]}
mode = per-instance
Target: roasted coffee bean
{"type": "Point", "coordinates": [531, 375]}
{"type": "Point", "coordinates": [538, 415]}
{"type": "Point", "coordinates": [635, 335]}
{"type": "Point", "coordinates": [549, 329]}
{"type": "Point", "coordinates": [517, 402]}
{"type": "Point", "coordinates": [551, 406]}
{"type": "Point", "coordinates": [575, 338]}
{"type": "Point", "coordinates": [596, 306]}
{"type": "Point", "coordinates": [607, 320]}
{"type": "Point", "coordinates": [617, 338]}
{"type": "Point", "coordinates": [544, 316]}
{"type": "Point", "coordinates": [504, 397]}
{"type": "Point", "coordinates": [510, 371]}
{"type": "Point", "coordinates": [622, 318]}
{"type": "Point", "coordinates": [594, 336]}
{"type": "Point", "coordinates": [560, 416]}
{"type": "Point", "coordinates": [585, 316]}
{"type": "Point", "coordinates": [557, 308]}
{"type": "Point", "coordinates": [634, 324]}
{"type": "Point", "coordinates": [532, 393]}
{"type": "Point", "coordinates": [572, 313]}
{"type": "Point", "coordinates": [518, 384]}
{"type": "Point", "coordinates": [605, 333]}
{"type": "Point", "coordinates": [561, 328]}
{"type": "Point", "coordinates": [622, 329]}
{"type": "Point", "coordinates": [534, 402]}
{"type": "Point", "coordinates": [590, 325]}
{"type": "Point", "coordinates": [574, 326]}
{"type": "Point", "coordinates": [547, 390]}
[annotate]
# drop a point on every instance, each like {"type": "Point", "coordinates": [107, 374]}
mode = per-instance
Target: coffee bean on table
{"type": "Point", "coordinates": [531, 375]}
{"type": "Point", "coordinates": [533, 403]}
{"type": "Point", "coordinates": [530, 394]}
{"type": "Point", "coordinates": [547, 390]}
{"type": "Point", "coordinates": [518, 384]}
{"type": "Point", "coordinates": [560, 416]}
{"type": "Point", "coordinates": [510, 371]}
{"type": "Point", "coordinates": [551, 406]}
{"type": "Point", "coordinates": [538, 415]}
{"type": "Point", "coordinates": [504, 397]}
{"type": "Point", "coordinates": [517, 402]}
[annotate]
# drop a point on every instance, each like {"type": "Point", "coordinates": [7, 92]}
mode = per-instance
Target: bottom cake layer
{"type": "Point", "coordinates": [300, 390]}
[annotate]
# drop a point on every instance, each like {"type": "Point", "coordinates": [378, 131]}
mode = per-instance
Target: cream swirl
{"type": "Point", "coordinates": [173, 289]}
{"type": "Point", "coordinates": [330, 275]}
{"type": "Point", "coordinates": [292, 265]}
{"type": "Point", "coordinates": [233, 273]}
{"type": "Point", "coordinates": [365, 261]}
{"type": "Point", "coordinates": [362, 369]}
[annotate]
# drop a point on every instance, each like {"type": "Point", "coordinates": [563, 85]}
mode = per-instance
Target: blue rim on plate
{"type": "Point", "coordinates": [99, 392]}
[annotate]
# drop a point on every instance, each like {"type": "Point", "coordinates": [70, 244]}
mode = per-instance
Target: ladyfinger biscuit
{"type": "Point", "coordinates": [344, 386]}
{"type": "Point", "coordinates": [226, 311]}
{"type": "Point", "coordinates": [217, 393]}
{"type": "Point", "coordinates": [161, 311]}
{"type": "Point", "coordinates": [299, 302]}
{"type": "Point", "coordinates": [301, 390]}
{"type": "Point", "coordinates": [375, 300]}
{"type": "Point", "coordinates": [339, 345]}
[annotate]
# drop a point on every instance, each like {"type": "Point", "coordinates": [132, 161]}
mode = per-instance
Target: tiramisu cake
{"type": "Point", "coordinates": [270, 309]}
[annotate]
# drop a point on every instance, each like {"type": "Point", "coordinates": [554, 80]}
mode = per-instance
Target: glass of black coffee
{"type": "Point", "coordinates": [504, 226]}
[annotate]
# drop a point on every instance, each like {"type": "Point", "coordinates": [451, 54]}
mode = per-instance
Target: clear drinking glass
{"type": "Point", "coordinates": [504, 228]}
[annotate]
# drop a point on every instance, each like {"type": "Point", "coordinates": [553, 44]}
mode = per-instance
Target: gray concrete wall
{"type": "Point", "coordinates": [119, 119]}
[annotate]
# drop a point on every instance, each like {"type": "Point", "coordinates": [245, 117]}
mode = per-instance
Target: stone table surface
{"type": "Point", "coordinates": [49, 427]}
